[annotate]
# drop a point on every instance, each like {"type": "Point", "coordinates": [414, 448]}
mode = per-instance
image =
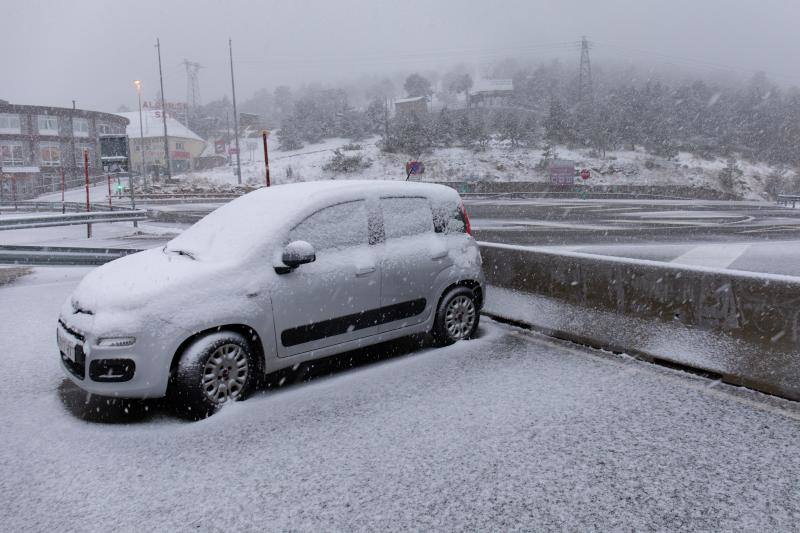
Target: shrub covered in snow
{"type": "Point", "coordinates": [346, 163]}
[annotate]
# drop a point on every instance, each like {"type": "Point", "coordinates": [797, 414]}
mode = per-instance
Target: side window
{"type": "Point", "coordinates": [403, 217]}
{"type": "Point", "coordinates": [449, 218]}
{"type": "Point", "coordinates": [337, 226]}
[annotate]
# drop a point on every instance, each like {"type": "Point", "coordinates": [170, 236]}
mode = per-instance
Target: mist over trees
{"type": "Point", "coordinates": [628, 109]}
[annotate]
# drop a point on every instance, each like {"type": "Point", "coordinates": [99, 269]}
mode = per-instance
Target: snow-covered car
{"type": "Point", "coordinates": [277, 277]}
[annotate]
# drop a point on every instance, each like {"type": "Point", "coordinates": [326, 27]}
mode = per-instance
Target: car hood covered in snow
{"type": "Point", "coordinates": [131, 282]}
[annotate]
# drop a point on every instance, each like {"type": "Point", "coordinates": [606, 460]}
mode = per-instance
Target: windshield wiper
{"type": "Point", "coordinates": [190, 255]}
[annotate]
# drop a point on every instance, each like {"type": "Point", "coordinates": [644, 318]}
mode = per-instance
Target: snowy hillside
{"type": "Point", "coordinates": [499, 162]}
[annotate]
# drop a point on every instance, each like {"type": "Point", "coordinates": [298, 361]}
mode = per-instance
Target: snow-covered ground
{"type": "Point", "coordinates": [509, 431]}
{"type": "Point", "coordinates": [499, 162]}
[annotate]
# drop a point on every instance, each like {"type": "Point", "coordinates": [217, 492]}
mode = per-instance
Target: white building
{"type": "Point", "coordinates": [184, 144]}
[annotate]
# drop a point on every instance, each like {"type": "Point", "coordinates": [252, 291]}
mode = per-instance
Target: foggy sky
{"type": "Point", "coordinates": [91, 51]}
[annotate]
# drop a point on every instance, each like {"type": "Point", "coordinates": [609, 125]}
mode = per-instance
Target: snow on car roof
{"type": "Point", "coordinates": [259, 218]}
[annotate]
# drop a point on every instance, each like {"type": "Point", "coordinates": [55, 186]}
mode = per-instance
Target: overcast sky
{"type": "Point", "coordinates": [91, 51]}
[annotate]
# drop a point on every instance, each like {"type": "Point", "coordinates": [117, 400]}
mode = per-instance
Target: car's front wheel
{"type": "Point", "coordinates": [457, 316]}
{"type": "Point", "coordinates": [213, 370]}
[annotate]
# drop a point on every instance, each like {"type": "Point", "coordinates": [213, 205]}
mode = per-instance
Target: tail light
{"type": "Point", "coordinates": [467, 227]}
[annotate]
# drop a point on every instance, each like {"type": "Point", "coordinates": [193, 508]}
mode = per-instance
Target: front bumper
{"type": "Point", "coordinates": [126, 372]}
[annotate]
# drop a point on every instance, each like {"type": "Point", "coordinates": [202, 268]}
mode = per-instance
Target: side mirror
{"type": "Point", "coordinates": [295, 254]}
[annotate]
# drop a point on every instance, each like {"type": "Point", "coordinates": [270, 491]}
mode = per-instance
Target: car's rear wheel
{"type": "Point", "coordinates": [214, 370]}
{"type": "Point", "coordinates": [457, 316]}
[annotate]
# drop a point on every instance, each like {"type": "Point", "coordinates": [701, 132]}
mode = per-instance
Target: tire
{"type": "Point", "coordinates": [457, 316]}
{"type": "Point", "coordinates": [213, 370]}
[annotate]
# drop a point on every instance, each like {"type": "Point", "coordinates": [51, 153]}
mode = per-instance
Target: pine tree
{"type": "Point", "coordinates": [729, 176]}
{"type": "Point", "coordinates": [417, 85]}
{"type": "Point", "coordinates": [289, 136]}
{"type": "Point", "coordinates": [557, 128]}
{"type": "Point", "coordinates": [548, 154]}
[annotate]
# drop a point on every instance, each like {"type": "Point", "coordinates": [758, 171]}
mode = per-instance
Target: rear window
{"type": "Point", "coordinates": [449, 218]}
{"type": "Point", "coordinates": [406, 216]}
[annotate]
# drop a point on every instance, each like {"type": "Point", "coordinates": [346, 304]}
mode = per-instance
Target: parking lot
{"type": "Point", "coordinates": [509, 430]}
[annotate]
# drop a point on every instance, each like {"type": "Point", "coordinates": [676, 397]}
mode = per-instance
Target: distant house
{"type": "Point", "coordinates": [411, 106]}
{"type": "Point", "coordinates": [184, 144]}
{"type": "Point", "coordinates": [491, 93]}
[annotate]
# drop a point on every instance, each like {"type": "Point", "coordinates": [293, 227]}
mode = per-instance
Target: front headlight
{"type": "Point", "coordinates": [115, 342]}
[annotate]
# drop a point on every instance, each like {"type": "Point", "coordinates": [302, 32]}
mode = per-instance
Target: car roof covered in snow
{"type": "Point", "coordinates": [261, 217]}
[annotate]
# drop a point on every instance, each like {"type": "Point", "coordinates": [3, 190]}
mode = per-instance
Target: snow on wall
{"type": "Point", "coordinates": [750, 308]}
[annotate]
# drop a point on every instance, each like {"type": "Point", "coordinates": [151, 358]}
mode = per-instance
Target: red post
{"type": "Point", "coordinates": [108, 177]}
{"type": "Point", "coordinates": [63, 188]}
{"type": "Point", "coordinates": [266, 154]}
{"type": "Point", "coordinates": [88, 207]}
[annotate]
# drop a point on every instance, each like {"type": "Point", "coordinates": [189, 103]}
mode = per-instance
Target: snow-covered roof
{"type": "Point", "coordinates": [154, 126]}
{"type": "Point", "coordinates": [492, 85]}
{"type": "Point", "coordinates": [412, 99]}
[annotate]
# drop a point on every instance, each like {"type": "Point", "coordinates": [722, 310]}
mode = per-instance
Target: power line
{"type": "Point", "coordinates": [693, 61]}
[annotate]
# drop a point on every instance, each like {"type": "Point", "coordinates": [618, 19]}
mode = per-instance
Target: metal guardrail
{"type": "Point", "coordinates": [572, 195]}
{"type": "Point", "coordinates": [197, 195]}
{"type": "Point", "coordinates": [73, 207]}
{"type": "Point", "coordinates": [44, 221]}
{"type": "Point", "coordinates": [187, 200]}
{"type": "Point", "coordinates": [786, 199]}
{"type": "Point", "coordinates": [62, 256]}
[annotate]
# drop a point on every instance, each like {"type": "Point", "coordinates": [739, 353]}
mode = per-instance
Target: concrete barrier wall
{"type": "Point", "coordinates": [586, 187]}
{"type": "Point", "coordinates": [755, 318]}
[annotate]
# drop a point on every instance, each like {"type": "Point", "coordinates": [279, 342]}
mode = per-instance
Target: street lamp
{"type": "Point", "coordinates": [138, 85]}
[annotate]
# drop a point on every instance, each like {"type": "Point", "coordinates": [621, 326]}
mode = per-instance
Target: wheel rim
{"type": "Point", "coordinates": [225, 373]}
{"type": "Point", "coordinates": [459, 317]}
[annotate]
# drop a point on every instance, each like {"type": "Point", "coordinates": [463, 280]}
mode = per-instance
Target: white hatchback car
{"type": "Point", "coordinates": [279, 276]}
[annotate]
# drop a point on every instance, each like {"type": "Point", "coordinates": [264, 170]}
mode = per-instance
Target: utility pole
{"type": "Point", "coordinates": [163, 111]}
{"type": "Point", "coordinates": [235, 117]}
{"type": "Point", "coordinates": [585, 74]}
{"type": "Point", "coordinates": [266, 156]}
{"type": "Point", "coordinates": [88, 205]}
{"type": "Point", "coordinates": [72, 142]}
{"type": "Point", "coordinates": [228, 136]}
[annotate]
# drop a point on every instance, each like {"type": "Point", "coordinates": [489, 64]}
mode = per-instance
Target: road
{"type": "Point", "coordinates": [565, 221]}
{"type": "Point", "coordinates": [108, 235]}
{"type": "Point", "coordinates": [750, 236]}
{"type": "Point", "coordinates": [737, 235]}
{"type": "Point", "coordinates": [508, 431]}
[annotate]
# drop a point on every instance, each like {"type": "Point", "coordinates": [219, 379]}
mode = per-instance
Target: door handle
{"type": "Point", "coordinates": [363, 271]}
{"type": "Point", "coordinates": [439, 255]}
